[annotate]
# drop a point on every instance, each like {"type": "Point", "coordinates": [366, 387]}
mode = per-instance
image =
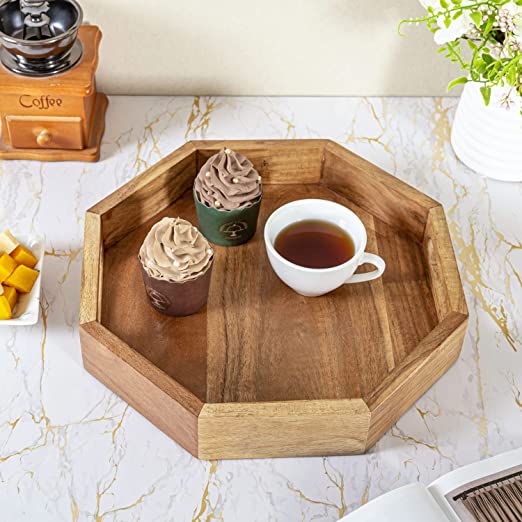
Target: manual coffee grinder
{"type": "Point", "coordinates": [49, 107]}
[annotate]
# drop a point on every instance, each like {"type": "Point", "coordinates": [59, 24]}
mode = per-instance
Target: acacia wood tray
{"type": "Point", "coordinates": [262, 371]}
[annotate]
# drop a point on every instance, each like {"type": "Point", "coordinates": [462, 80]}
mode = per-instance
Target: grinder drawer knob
{"type": "Point", "coordinates": [44, 138]}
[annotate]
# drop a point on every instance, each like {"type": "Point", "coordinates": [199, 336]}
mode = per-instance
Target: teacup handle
{"type": "Point", "coordinates": [374, 260]}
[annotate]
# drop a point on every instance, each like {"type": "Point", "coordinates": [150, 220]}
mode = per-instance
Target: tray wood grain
{"type": "Point", "coordinates": [262, 371]}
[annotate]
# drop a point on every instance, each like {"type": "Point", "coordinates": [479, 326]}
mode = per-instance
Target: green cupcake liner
{"type": "Point", "coordinates": [227, 227]}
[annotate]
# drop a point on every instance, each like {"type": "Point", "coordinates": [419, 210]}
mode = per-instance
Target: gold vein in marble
{"type": "Point", "coordinates": [366, 493]}
{"type": "Point", "coordinates": [199, 117]}
{"type": "Point", "coordinates": [289, 127]}
{"type": "Point", "coordinates": [149, 128]}
{"type": "Point", "coordinates": [10, 345]}
{"type": "Point", "coordinates": [120, 422]}
{"type": "Point", "coordinates": [517, 395]}
{"type": "Point", "coordinates": [512, 247]}
{"type": "Point", "coordinates": [424, 413]}
{"type": "Point", "coordinates": [442, 133]}
{"type": "Point", "coordinates": [118, 140]}
{"type": "Point", "coordinates": [26, 449]}
{"type": "Point", "coordinates": [471, 263]}
{"type": "Point", "coordinates": [433, 446]}
{"type": "Point", "coordinates": [99, 518]}
{"type": "Point", "coordinates": [481, 420]}
{"type": "Point", "coordinates": [205, 503]}
{"type": "Point", "coordinates": [411, 462]}
{"type": "Point", "coordinates": [353, 137]}
{"type": "Point", "coordinates": [44, 307]}
{"type": "Point", "coordinates": [338, 483]}
{"type": "Point", "coordinates": [75, 512]}
{"type": "Point", "coordinates": [38, 197]}
{"type": "Point", "coordinates": [139, 164]}
{"type": "Point", "coordinates": [100, 493]}
{"type": "Point", "coordinates": [12, 425]}
{"type": "Point", "coordinates": [154, 138]}
{"type": "Point", "coordinates": [48, 429]}
{"type": "Point", "coordinates": [71, 255]}
{"type": "Point", "coordinates": [50, 432]}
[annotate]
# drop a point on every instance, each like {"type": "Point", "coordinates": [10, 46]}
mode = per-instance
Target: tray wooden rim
{"type": "Point", "coordinates": [227, 430]}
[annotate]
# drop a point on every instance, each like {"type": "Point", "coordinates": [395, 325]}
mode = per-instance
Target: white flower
{"type": "Point", "coordinates": [513, 9]}
{"type": "Point", "coordinates": [457, 28]}
{"type": "Point", "coordinates": [515, 12]}
{"type": "Point", "coordinates": [505, 98]}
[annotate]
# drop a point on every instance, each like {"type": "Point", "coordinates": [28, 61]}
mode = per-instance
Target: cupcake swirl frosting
{"type": "Point", "coordinates": [175, 250]}
{"type": "Point", "coordinates": [228, 181]}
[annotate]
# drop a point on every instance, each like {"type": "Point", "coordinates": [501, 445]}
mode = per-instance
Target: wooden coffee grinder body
{"type": "Point", "coordinates": [54, 118]}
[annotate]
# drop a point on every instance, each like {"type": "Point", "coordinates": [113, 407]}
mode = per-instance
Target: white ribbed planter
{"type": "Point", "coordinates": [488, 139]}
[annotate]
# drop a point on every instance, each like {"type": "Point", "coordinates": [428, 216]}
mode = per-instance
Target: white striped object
{"type": "Point", "coordinates": [488, 139]}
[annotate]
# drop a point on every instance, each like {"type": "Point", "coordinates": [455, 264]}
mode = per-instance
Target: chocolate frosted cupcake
{"type": "Point", "coordinates": [228, 192]}
{"type": "Point", "coordinates": [176, 263]}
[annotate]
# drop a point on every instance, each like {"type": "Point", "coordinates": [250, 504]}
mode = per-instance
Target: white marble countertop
{"type": "Point", "coordinates": [72, 450]}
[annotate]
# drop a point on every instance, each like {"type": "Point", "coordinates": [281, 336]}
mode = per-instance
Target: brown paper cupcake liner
{"type": "Point", "coordinates": [178, 299]}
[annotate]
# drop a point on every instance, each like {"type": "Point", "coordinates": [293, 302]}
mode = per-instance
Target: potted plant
{"type": "Point", "coordinates": [485, 39]}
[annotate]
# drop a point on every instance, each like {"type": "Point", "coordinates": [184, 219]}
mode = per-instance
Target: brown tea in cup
{"type": "Point", "coordinates": [315, 243]}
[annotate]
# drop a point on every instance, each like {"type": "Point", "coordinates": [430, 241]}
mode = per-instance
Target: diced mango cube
{"type": "Point", "coordinates": [23, 279]}
{"type": "Point", "coordinates": [5, 309]}
{"type": "Point", "coordinates": [7, 266]}
{"type": "Point", "coordinates": [7, 242]}
{"type": "Point", "coordinates": [11, 294]}
{"type": "Point", "coordinates": [23, 256]}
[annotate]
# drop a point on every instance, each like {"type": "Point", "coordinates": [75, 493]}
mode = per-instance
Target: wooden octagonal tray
{"type": "Point", "coordinates": [262, 371]}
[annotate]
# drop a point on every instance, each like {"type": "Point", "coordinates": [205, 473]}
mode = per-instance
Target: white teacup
{"type": "Point", "coordinates": [313, 282]}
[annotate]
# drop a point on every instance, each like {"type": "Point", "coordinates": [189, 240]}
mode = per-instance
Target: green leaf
{"type": "Point", "coordinates": [476, 17]}
{"type": "Point", "coordinates": [486, 93]}
{"type": "Point", "coordinates": [488, 27]}
{"type": "Point", "coordinates": [444, 4]}
{"type": "Point", "coordinates": [479, 65]}
{"type": "Point", "coordinates": [511, 76]}
{"type": "Point", "coordinates": [457, 81]}
{"type": "Point", "coordinates": [447, 21]}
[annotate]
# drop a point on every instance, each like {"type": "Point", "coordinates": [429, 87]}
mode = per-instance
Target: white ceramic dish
{"type": "Point", "coordinates": [27, 310]}
{"type": "Point", "coordinates": [313, 282]}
